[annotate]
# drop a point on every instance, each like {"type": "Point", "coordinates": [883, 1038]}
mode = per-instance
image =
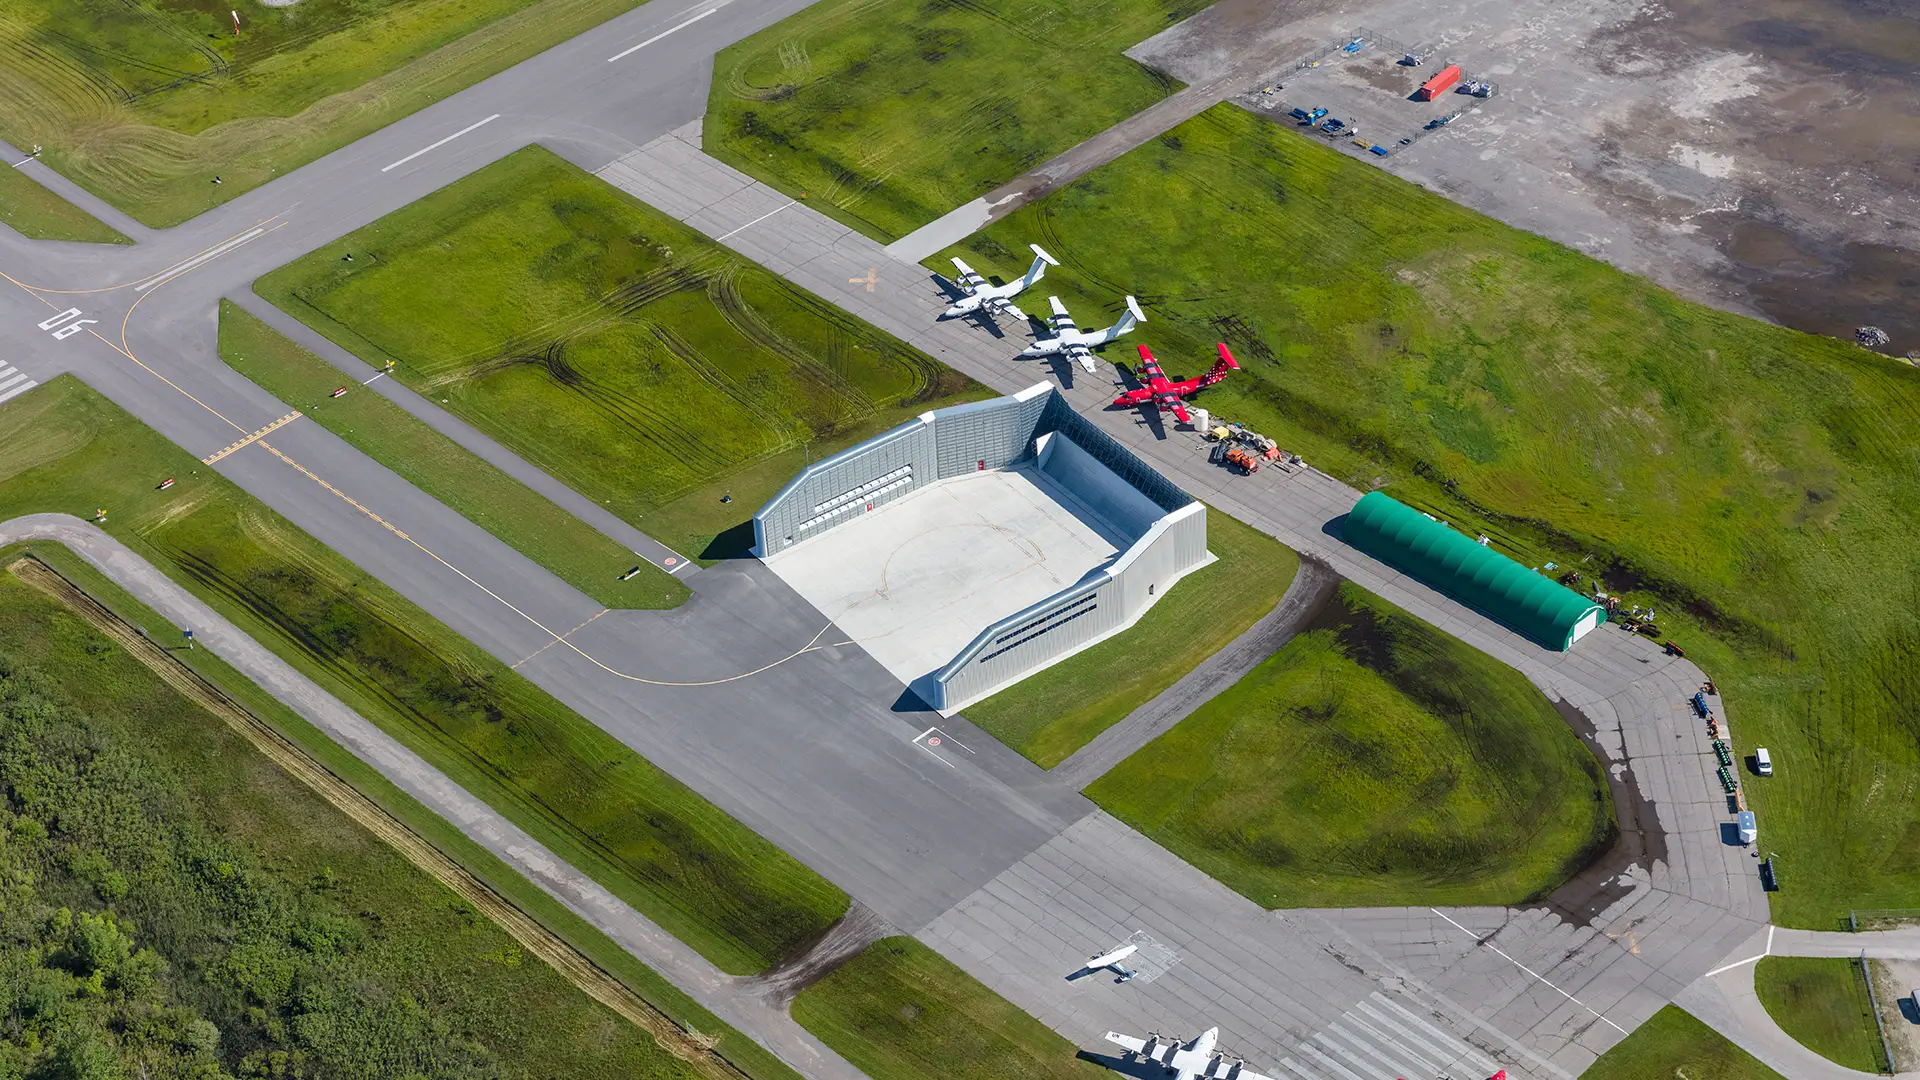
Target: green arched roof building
{"type": "Point", "coordinates": [1531, 605]}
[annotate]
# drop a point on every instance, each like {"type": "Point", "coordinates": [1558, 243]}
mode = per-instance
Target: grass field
{"type": "Point", "coordinates": [889, 113]}
{"type": "Point", "coordinates": [284, 931]}
{"type": "Point", "coordinates": [1372, 760]}
{"type": "Point", "coordinates": [1675, 1044]}
{"type": "Point", "coordinates": [443, 469]}
{"type": "Point", "coordinates": [1756, 486]}
{"type": "Point", "coordinates": [1050, 715]}
{"type": "Point", "coordinates": [900, 1011]}
{"type": "Point", "coordinates": [38, 214]}
{"type": "Point", "coordinates": [143, 102]}
{"type": "Point", "coordinates": [706, 878]}
{"type": "Point", "coordinates": [622, 352]}
{"type": "Point", "coordinates": [674, 1005]}
{"type": "Point", "coordinates": [1822, 1002]}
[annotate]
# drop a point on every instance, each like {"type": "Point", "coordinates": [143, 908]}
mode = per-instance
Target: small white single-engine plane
{"type": "Point", "coordinates": [1077, 344]}
{"type": "Point", "coordinates": [1191, 1060]}
{"type": "Point", "coordinates": [977, 296]}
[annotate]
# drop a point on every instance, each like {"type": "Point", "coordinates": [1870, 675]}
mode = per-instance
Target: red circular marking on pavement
{"type": "Point", "coordinates": [935, 741]}
{"type": "Point", "coordinates": [670, 560]}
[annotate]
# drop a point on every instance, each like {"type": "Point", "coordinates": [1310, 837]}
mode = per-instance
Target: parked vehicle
{"type": "Point", "coordinates": [1762, 761]}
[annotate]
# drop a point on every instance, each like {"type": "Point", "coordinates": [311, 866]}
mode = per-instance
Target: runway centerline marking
{"type": "Point", "coordinates": [1489, 944]}
{"type": "Point", "coordinates": [661, 34]}
{"type": "Point", "coordinates": [760, 219]}
{"type": "Point", "coordinates": [442, 142]}
{"type": "Point", "coordinates": [182, 267]}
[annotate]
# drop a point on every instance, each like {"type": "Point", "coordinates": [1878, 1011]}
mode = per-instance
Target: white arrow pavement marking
{"type": "Point", "coordinates": [661, 34]}
{"type": "Point", "coordinates": [441, 143]}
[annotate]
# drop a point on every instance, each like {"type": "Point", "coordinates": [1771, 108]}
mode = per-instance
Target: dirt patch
{"type": "Point", "coordinates": [860, 927]}
{"type": "Point", "coordinates": [1894, 984]}
{"type": "Point", "coordinates": [1636, 841]}
{"type": "Point", "coordinates": [691, 1047]}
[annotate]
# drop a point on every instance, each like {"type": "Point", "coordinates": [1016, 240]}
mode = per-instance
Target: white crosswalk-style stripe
{"type": "Point", "coordinates": [13, 383]}
{"type": "Point", "coordinates": [1382, 1038]}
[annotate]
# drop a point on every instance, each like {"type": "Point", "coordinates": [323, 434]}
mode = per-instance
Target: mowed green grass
{"type": "Point", "coordinates": [622, 352]}
{"type": "Point", "coordinates": [1049, 715]}
{"type": "Point", "coordinates": [900, 1011]}
{"type": "Point", "coordinates": [143, 102]}
{"type": "Point", "coordinates": [1674, 1044]}
{"type": "Point", "coordinates": [38, 214]}
{"type": "Point", "coordinates": [443, 469]}
{"type": "Point", "coordinates": [1822, 1002]}
{"type": "Point", "coordinates": [173, 794]}
{"type": "Point", "coordinates": [1757, 486]}
{"type": "Point", "coordinates": [701, 875]}
{"type": "Point", "coordinates": [1373, 760]}
{"type": "Point", "coordinates": [889, 113]}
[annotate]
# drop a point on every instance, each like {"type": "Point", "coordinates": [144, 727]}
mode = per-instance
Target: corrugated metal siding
{"type": "Point", "coordinates": [1531, 605]}
{"type": "Point", "coordinates": [1026, 641]}
{"type": "Point", "coordinates": [999, 432]}
{"type": "Point", "coordinates": [778, 525]}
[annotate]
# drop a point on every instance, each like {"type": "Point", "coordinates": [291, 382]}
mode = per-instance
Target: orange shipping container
{"type": "Point", "coordinates": [1439, 84]}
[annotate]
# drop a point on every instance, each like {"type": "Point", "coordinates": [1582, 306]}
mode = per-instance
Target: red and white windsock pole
{"type": "Point", "coordinates": [236, 23]}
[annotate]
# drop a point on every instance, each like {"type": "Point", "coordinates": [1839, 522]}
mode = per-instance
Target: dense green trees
{"type": "Point", "coordinates": [137, 941]}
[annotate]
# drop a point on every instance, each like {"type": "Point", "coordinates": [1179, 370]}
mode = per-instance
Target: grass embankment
{"type": "Point", "coordinates": [442, 468]}
{"type": "Point", "coordinates": [1755, 485]}
{"type": "Point", "coordinates": [1822, 1002]}
{"type": "Point", "coordinates": [706, 878]}
{"type": "Point", "coordinates": [480, 866]}
{"type": "Point", "coordinates": [1372, 760]}
{"type": "Point", "coordinates": [144, 104]}
{"type": "Point", "coordinates": [1050, 715]}
{"type": "Point", "coordinates": [889, 114]}
{"type": "Point", "coordinates": [624, 353]}
{"type": "Point", "coordinates": [1674, 1043]}
{"type": "Point", "coordinates": [38, 214]}
{"type": "Point", "coordinates": [177, 903]}
{"type": "Point", "coordinates": [900, 1011]}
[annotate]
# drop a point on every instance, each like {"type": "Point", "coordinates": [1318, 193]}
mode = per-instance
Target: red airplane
{"type": "Point", "coordinates": [1155, 387]}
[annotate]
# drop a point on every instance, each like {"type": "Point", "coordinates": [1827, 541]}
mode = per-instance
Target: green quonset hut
{"type": "Point", "coordinates": [1535, 607]}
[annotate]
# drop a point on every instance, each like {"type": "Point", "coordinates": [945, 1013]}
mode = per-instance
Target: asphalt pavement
{"type": "Point", "coordinates": [748, 695]}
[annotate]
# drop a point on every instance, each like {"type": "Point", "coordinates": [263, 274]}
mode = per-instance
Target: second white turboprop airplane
{"type": "Point", "coordinates": [976, 295]}
{"type": "Point", "coordinates": [1077, 344]}
{"type": "Point", "coordinates": [1188, 1061]}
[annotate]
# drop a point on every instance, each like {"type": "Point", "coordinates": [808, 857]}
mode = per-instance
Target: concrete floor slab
{"type": "Point", "coordinates": [915, 580]}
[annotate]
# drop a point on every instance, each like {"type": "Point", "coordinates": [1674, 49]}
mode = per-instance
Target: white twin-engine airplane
{"type": "Point", "coordinates": [1188, 1061]}
{"type": "Point", "coordinates": [1198, 1060]}
{"type": "Point", "coordinates": [976, 295]}
{"type": "Point", "coordinates": [1070, 339]}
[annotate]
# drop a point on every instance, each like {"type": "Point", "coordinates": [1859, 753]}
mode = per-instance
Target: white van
{"type": "Point", "coordinates": [1762, 761]}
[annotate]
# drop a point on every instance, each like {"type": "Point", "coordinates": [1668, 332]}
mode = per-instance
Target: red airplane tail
{"type": "Point", "coordinates": [1226, 361]}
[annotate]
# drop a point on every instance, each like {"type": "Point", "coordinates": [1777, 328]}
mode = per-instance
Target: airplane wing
{"type": "Point", "coordinates": [974, 282]}
{"type": "Point", "coordinates": [1222, 1069]}
{"type": "Point", "coordinates": [1003, 306]}
{"type": "Point", "coordinates": [1081, 355]}
{"type": "Point", "coordinates": [1180, 411]}
{"type": "Point", "coordinates": [1131, 1044]}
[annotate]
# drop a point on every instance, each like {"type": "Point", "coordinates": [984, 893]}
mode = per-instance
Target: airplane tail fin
{"type": "Point", "coordinates": [1041, 260]}
{"type": "Point", "coordinates": [1128, 320]}
{"type": "Point", "coordinates": [1227, 362]}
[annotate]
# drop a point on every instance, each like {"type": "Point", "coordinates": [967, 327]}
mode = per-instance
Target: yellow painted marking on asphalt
{"type": "Point", "coordinates": [149, 277]}
{"type": "Point", "coordinates": [250, 439]}
{"type": "Point", "coordinates": [568, 634]}
{"type": "Point", "coordinates": [872, 279]}
{"type": "Point", "coordinates": [558, 639]}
